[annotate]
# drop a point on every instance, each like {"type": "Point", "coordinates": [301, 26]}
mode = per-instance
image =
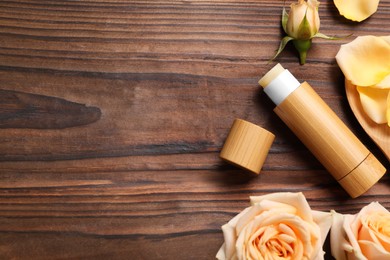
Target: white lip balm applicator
{"type": "Point", "coordinates": [322, 132]}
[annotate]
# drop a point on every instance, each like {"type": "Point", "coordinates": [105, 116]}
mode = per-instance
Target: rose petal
{"type": "Point", "coordinates": [365, 60]}
{"type": "Point", "coordinates": [296, 200]}
{"type": "Point", "coordinates": [384, 84]}
{"type": "Point", "coordinates": [373, 207]}
{"type": "Point", "coordinates": [300, 227]}
{"type": "Point", "coordinates": [338, 244]}
{"type": "Point", "coordinates": [372, 240]}
{"type": "Point", "coordinates": [351, 226]}
{"type": "Point", "coordinates": [374, 251]}
{"type": "Point", "coordinates": [267, 204]}
{"type": "Point", "coordinates": [368, 235]}
{"type": "Point", "coordinates": [243, 219]}
{"type": "Point", "coordinates": [388, 109]}
{"type": "Point", "coordinates": [356, 10]}
{"type": "Point", "coordinates": [228, 249]}
{"type": "Point", "coordinates": [324, 221]}
{"type": "Point", "coordinates": [374, 103]}
{"type": "Point", "coordinates": [386, 38]}
{"type": "Point", "coordinates": [376, 226]}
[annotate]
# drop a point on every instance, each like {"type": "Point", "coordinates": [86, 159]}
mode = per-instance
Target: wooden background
{"type": "Point", "coordinates": [113, 114]}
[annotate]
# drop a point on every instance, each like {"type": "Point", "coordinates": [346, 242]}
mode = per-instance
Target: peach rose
{"type": "Point", "coordinates": [365, 235]}
{"type": "Point", "coordinates": [276, 226]}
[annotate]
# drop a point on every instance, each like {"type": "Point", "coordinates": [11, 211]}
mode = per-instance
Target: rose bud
{"type": "Point", "coordinates": [301, 24]}
{"type": "Point", "coordinates": [303, 20]}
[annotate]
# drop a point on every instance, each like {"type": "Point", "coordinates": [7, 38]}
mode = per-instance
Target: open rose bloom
{"type": "Point", "coordinates": [365, 62]}
{"type": "Point", "coordinates": [276, 226]}
{"type": "Point", "coordinates": [365, 235]}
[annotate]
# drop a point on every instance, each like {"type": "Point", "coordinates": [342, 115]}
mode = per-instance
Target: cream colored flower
{"type": "Point", "coordinates": [303, 20]}
{"type": "Point", "coordinates": [366, 63]}
{"type": "Point", "coordinates": [363, 236]}
{"type": "Point", "coordinates": [356, 10]}
{"type": "Point", "coordinates": [276, 226]}
{"type": "Point", "coordinates": [301, 24]}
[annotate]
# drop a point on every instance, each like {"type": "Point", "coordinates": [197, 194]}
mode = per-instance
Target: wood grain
{"type": "Point", "coordinates": [23, 110]}
{"type": "Point", "coordinates": [113, 114]}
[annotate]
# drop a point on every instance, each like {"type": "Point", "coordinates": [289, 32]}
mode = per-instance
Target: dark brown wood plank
{"type": "Point", "coordinates": [113, 113]}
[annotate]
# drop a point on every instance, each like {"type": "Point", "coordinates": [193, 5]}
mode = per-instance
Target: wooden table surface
{"type": "Point", "coordinates": [113, 114]}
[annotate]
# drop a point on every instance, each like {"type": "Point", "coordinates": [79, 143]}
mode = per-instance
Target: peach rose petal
{"type": "Point", "coordinates": [228, 249]}
{"type": "Point", "coordinates": [384, 84]}
{"type": "Point", "coordinates": [374, 237]}
{"type": "Point", "coordinates": [245, 218]}
{"type": "Point", "coordinates": [377, 229]}
{"type": "Point", "coordinates": [324, 220]}
{"type": "Point", "coordinates": [388, 109]}
{"type": "Point", "coordinates": [365, 60]}
{"type": "Point", "coordinates": [386, 38]}
{"type": "Point", "coordinates": [373, 250]}
{"type": "Point", "coordinates": [374, 103]}
{"type": "Point", "coordinates": [338, 244]}
{"type": "Point", "coordinates": [356, 10]}
{"type": "Point", "coordinates": [303, 246]}
{"type": "Point", "coordinates": [296, 200]}
{"type": "Point", "coordinates": [370, 245]}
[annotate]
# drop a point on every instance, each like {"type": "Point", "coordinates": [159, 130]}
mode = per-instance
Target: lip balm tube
{"type": "Point", "coordinates": [322, 132]}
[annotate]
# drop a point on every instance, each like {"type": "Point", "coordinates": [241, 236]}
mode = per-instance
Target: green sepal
{"type": "Point", "coordinates": [304, 29]}
{"type": "Point", "coordinates": [282, 44]}
{"type": "Point", "coordinates": [324, 36]}
{"type": "Point", "coordinates": [284, 19]}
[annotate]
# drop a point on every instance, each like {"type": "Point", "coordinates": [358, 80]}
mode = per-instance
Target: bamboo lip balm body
{"type": "Point", "coordinates": [323, 133]}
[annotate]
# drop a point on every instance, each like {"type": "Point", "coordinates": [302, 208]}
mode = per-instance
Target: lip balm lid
{"type": "Point", "coordinates": [247, 145]}
{"type": "Point", "coordinates": [363, 177]}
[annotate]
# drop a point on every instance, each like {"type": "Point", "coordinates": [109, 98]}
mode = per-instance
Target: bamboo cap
{"type": "Point", "coordinates": [247, 145]}
{"type": "Point", "coordinates": [363, 177]}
